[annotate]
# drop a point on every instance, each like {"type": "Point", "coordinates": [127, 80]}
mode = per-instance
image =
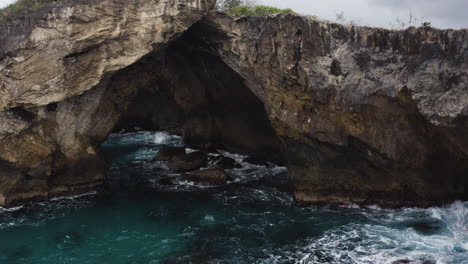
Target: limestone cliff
{"type": "Point", "coordinates": [367, 115]}
{"type": "Point", "coordinates": [58, 96]}
{"type": "Point", "coordinates": [364, 115]}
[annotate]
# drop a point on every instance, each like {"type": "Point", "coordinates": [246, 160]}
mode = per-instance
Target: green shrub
{"type": "Point", "coordinates": [225, 5]}
{"type": "Point", "coordinates": [241, 10]}
{"type": "Point", "coordinates": [257, 10]}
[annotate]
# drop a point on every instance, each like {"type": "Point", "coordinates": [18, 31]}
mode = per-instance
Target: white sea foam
{"type": "Point", "coordinates": [190, 150]}
{"type": "Point", "coordinates": [161, 137]}
{"type": "Point", "coordinates": [208, 220]}
{"type": "Point", "coordinates": [12, 209]}
{"type": "Point", "coordinates": [385, 241]}
{"type": "Point", "coordinates": [73, 197]}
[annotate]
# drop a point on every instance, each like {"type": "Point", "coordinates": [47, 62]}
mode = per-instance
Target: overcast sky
{"type": "Point", "coordinates": [380, 13]}
{"type": "Point", "coordinates": [384, 13]}
{"type": "Point", "coordinates": [4, 3]}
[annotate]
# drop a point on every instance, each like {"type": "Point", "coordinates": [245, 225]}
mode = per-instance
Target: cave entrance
{"type": "Point", "coordinates": [208, 115]}
{"type": "Point", "coordinates": [188, 91]}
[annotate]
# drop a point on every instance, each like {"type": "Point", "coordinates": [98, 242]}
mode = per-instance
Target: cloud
{"type": "Point", "coordinates": [383, 13]}
{"type": "Point", "coordinates": [447, 12]}
{"type": "Point", "coordinates": [4, 3]}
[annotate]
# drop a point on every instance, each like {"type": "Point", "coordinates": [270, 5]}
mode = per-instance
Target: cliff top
{"type": "Point", "coordinates": [29, 11]}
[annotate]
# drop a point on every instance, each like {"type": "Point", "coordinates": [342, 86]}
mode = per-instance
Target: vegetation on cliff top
{"type": "Point", "coordinates": [257, 10]}
{"type": "Point", "coordinates": [249, 8]}
{"type": "Point", "coordinates": [22, 7]}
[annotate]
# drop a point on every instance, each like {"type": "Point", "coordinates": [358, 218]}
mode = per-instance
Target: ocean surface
{"type": "Point", "coordinates": [140, 218]}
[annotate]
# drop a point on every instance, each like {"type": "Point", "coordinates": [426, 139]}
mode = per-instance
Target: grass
{"type": "Point", "coordinates": [22, 7]}
{"type": "Point", "coordinates": [257, 10]}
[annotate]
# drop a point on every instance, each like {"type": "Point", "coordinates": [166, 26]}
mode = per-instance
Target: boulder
{"type": "Point", "coordinates": [214, 175]}
{"type": "Point", "coordinates": [188, 162]}
{"type": "Point", "coordinates": [167, 153]}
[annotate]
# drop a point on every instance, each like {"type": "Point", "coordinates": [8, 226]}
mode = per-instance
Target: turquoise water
{"type": "Point", "coordinates": [143, 219]}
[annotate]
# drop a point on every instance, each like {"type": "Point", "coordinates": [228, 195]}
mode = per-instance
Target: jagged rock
{"type": "Point", "coordinates": [214, 175]}
{"type": "Point", "coordinates": [188, 162]}
{"type": "Point", "coordinates": [167, 153]}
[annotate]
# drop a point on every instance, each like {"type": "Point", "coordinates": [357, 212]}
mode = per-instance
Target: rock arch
{"type": "Point", "coordinates": [363, 115]}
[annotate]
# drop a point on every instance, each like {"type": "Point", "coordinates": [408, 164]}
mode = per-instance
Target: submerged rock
{"type": "Point", "coordinates": [427, 226]}
{"type": "Point", "coordinates": [214, 175]}
{"type": "Point", "coordinates": [188, 162]}
{"type": "Point", "coordinates": [419, 261]}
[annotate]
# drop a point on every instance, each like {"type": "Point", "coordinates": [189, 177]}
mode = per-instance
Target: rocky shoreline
{"type": "Point", "coordinates": [358, 115]}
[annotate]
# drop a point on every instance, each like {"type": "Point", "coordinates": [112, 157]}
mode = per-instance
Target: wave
{"type": "Point", "coordinates": [436, 235]}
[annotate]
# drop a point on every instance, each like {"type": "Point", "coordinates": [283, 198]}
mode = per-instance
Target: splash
{"type": "Point", "coordinates": [161, 137]}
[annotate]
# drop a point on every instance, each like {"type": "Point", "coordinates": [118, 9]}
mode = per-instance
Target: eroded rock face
{"type": "Point", "coordinates": [59, 94]}
{"type": "Point", "coordinates": [77, 44]}
{"type": "Point", "coordinates": [367, 115]}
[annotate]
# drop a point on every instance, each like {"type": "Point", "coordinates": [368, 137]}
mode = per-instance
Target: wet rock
{"type": "Point", "coordinates": [428, 226]}
{"type": "Point", "coordinates": [188, 162]}
{"type": "Point", "coordinates": [401, 261]}
{"type": "Point", "coordinates": [166, 153]}
{"type": "Point", "coordinates": [226, 163]}
{"type": "Point", "coordinates": [214, 175]}
{"type": "Point", "coordinates": [166, 181]}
